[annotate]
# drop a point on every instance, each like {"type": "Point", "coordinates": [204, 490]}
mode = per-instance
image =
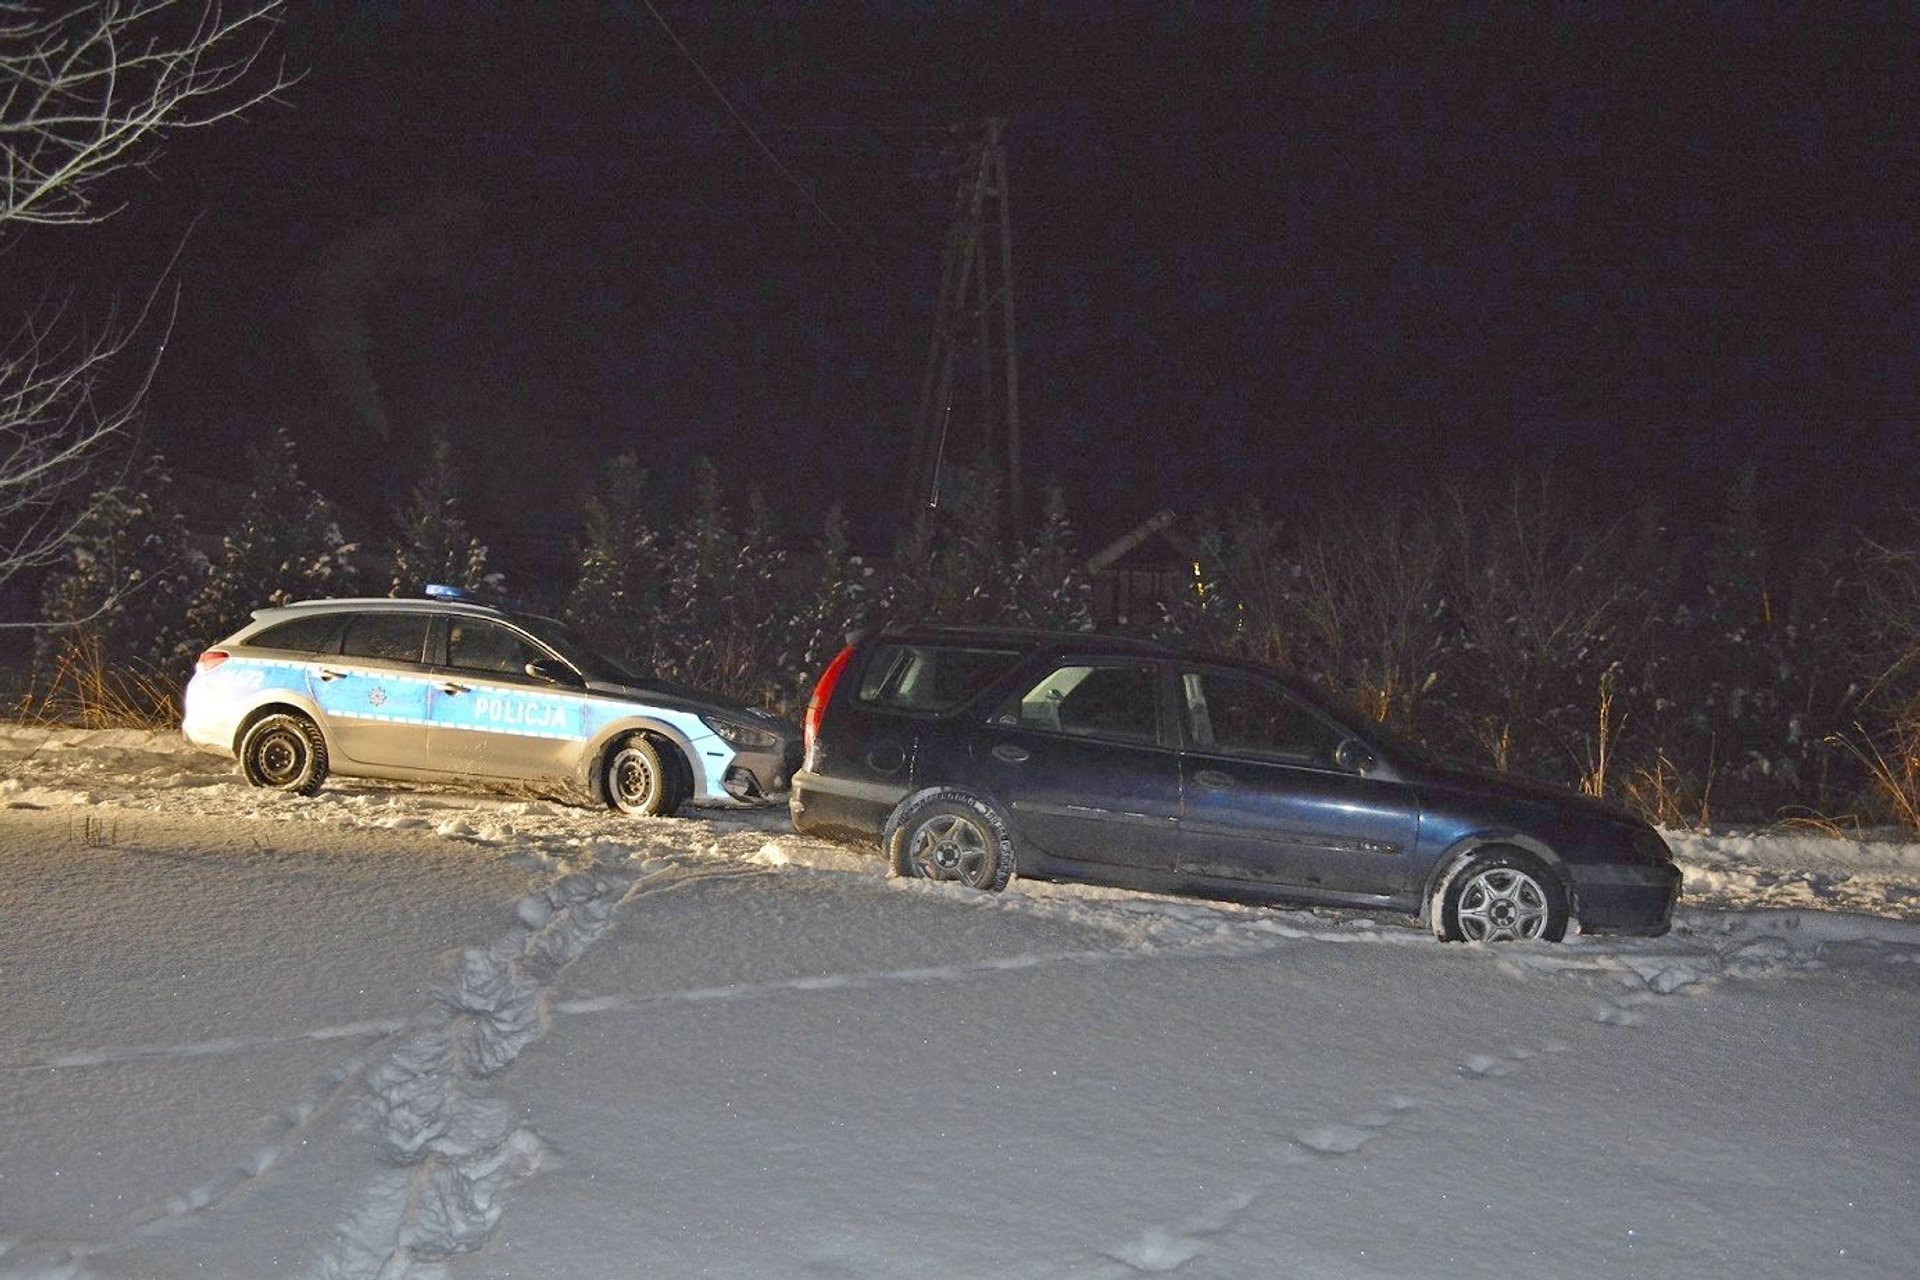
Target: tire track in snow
{"type": "Point", "coordinates": [451, 1146]}
{"type": "Point", "coordinates": [117, 1056]}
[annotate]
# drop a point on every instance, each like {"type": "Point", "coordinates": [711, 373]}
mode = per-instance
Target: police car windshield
{"type": "Point", "coordinates": [572, 646]}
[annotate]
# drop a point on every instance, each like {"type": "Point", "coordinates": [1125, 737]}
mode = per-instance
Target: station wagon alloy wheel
{"type": "Point", "coordinates": [951, 835]}
{"type": "Point", "coordinates": [949, 848]}
{"type": "Point", "coordinates": [1501, 897]}
{"type": "Point", "coordinates": [1501, 905]}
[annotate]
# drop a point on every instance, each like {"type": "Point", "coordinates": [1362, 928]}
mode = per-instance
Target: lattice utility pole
{"type": "Point", "coordinates": [975, 314]}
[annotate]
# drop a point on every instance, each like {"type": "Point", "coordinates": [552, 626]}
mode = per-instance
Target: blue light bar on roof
{"type": "Point", "coordinates": [441, 591]}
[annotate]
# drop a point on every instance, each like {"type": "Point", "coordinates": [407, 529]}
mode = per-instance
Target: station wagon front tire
{"type": "Point", "coordinates": [951, 835]}
{"type": "Point", "coordinates": [286, 752]}
{"type": "Point", "coordinates": [636, 781]}
{"type": "Point", "coordinates": [1500, 895]}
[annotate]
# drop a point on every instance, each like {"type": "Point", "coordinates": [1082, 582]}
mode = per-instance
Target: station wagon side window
{"type": "Point", "coordinates": [395, 637]}
{"type": "Point", "coordinates": [1117, 702]}
{"type": "Point", "coordinates": [474, 644]}
{"type": "Point", "coordinates": [1236, 713]}
{"type": "Point", "coordinates": [930, 677]}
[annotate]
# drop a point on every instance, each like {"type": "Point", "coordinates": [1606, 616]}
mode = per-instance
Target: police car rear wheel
{"type": "Point", "coordinates": [286, 752]}
{"type": "Point", "coordinates": [636, 780]}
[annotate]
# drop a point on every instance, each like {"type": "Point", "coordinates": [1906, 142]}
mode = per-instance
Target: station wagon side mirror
{"type": "Point", "coordinates": [1353, 756]}
{"type": "Point", "coordinates": [554, 671]}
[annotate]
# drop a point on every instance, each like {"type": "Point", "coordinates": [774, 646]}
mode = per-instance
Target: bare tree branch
{"type": "Point", "coordinates": [86, 95]}
{"type": "Point", "coordinates": [54, 419]}
{"type": "Point", "coordinates": [94, 91]}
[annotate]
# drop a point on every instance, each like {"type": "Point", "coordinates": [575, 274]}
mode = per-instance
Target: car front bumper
{"type": "Point", "coordinates": [1626, 899]}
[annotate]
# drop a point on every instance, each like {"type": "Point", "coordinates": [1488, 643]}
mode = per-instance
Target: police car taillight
{"type": "Point", "coordinates": [211, 659]}
{"type": "Point", "coordinates": [817, 705]}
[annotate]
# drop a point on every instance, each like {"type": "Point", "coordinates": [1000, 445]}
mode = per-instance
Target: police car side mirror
{"type": "Point", "coordinates": [554, 672]}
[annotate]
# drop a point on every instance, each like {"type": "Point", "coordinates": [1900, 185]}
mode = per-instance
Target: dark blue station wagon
{"type": "Point", "coordinates": [970, 754]}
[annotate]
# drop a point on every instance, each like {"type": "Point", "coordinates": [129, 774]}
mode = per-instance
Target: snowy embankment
{"type": "Point", "coordinates": [406, 1032]}
{"type": "Point", "coordinates": [1792, 867]}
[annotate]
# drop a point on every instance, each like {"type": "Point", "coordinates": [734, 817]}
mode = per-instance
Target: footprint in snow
{"type": "Point", "coordinates": [1613, 1015]}
{"type": "Point", "coordinates": [1336, 1139]}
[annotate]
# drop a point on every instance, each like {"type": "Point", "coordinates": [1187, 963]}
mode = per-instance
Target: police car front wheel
{"type": "Point", "coordinates": [636, 779]}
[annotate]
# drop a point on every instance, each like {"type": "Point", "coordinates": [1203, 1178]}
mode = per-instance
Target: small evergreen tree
{"type": "Point", "coordinates": [1047, 583]}
{"type": "Point", "coordinates": [615, 602]}
{"type": "Point", "coordinates": [115, 609]}
{"type": "Point", "coordinates": [949, 567]}
{"type": "Point", "coordinates": [824, 614]}
{"type": "Point", "coordinates": [699, 556]}
{"type": "Point", "coordinates": [434, 543]}
{"type": "Point", "coordinates": [128, 575]}
{"type": "Point", "coordinates": [288, 546]}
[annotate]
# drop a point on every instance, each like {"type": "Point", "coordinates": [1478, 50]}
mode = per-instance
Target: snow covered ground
{"type": "Point", "coordinates": [404, 1032]}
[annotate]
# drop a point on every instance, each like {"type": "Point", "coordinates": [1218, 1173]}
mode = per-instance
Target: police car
{"type": "Point", "coordinates": [448, 688]}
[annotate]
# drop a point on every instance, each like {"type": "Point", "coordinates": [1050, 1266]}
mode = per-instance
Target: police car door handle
{"type": "Point", "coordinates": [451, 687]}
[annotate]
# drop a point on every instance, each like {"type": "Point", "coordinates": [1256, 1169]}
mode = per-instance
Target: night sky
{"type": "Point", "coordinates": [1313, 256]}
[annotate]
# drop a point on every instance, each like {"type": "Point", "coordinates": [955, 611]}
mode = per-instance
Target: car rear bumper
{"type": "Point", "coordinates": [1633, 900]}
{"type": "Point", "coordinates": [831, 806]}
{"type": "Point", "coordinates": [208, 720]}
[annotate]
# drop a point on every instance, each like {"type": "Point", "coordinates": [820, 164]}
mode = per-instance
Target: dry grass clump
{"type": "Point", "coordinates": [1892, 764]}
{"type": "Point", "coordinates": [1664, 796]}
{"type": "Point", "coordinates": [81, 689]}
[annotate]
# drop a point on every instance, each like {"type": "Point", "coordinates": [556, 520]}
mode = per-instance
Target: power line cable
{"type": "Point", "coordinates": [741, 121]}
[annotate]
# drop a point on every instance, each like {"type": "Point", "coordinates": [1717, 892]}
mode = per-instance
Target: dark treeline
{"type": "Point", "coordinates": [1706, 672]}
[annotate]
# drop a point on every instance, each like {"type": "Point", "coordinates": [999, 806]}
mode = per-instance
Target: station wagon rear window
{"type": "Point", "coordinates": [932, 678]}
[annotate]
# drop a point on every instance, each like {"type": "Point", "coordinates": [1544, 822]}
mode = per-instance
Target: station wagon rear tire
{"type": "Point", "coordinates": [951, 835]}
{"type": "Point", "coordinates": [636, 781]}
{"type": "Point", "coordinates": [284, 751]}
{"type": "Point", "coordinates": [1500, 895]}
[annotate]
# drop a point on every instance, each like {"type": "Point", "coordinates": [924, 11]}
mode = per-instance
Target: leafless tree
{"type": "Point", "coordinates": [86, 94]}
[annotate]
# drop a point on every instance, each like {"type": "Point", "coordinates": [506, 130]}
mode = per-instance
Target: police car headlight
{"type": "Point", "coordinates": [741, 736]}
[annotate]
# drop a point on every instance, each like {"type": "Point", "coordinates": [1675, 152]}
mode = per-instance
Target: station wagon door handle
{"type": "Point", "coordinates": [1012, 754]}
{"type": "Point", "coordinates": [328, 673]}
{"type": "Point", "coordinates": [1213, 778]}
{"type": "Point", "coordinates": [451, 687]}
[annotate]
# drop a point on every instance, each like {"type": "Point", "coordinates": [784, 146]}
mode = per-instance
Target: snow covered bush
{"type": "Point", "coordinates": [434, 544]}
{"type": "Point", "coordinates": [114, 610]}
{"type": "Point", "coordinates": [614, 600]}
{"type": "Point", "coordinates": [1356, 606]}
{"type": "Point", "coordinates": [1686, 671]}
{"type": "Point", "coordinates": [286, 545]}
{"type": "Point", "coordinates": [703, 600]}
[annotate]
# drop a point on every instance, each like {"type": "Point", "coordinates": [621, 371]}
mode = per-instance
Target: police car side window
{"type": "Point", "coordinates": [475, 645]}
{"type": "Point", "coordinates": [319, 634]}
{"type": "Point", "coordinates": [396, 637]}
